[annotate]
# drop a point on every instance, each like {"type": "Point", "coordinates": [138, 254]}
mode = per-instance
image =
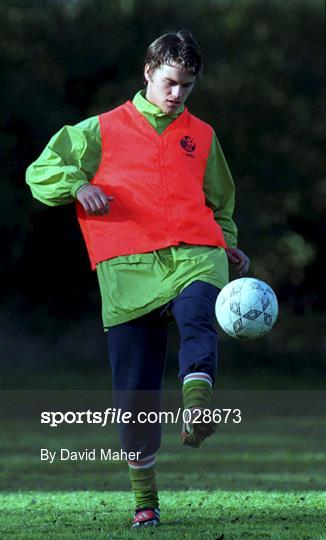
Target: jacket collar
{"type": "Point", "coordinates": [145, 106]}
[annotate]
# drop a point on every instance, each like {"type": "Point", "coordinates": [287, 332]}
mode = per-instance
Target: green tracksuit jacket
{"type": "Point", "coordinates": [132, 285]}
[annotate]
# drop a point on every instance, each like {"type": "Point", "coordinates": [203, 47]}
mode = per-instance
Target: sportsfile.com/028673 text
{"type": "Point", "coordinates": [117, 416]}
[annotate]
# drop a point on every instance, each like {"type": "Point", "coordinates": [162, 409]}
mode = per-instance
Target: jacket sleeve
{"type": "Point", "coordinates": [219, 192]}
{"type": "Point", "coordinates": [69, 161]}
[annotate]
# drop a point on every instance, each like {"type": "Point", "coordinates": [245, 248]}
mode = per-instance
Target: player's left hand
{"type": "Point", "coordinates": [237, 256]}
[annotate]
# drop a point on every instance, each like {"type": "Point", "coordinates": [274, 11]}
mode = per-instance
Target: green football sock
{"type": "Point", "coordinates": [196, 394]}
{"type": "Point", "coordinates": [144, 487]}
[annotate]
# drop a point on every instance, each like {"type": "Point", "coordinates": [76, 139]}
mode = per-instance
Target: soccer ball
{"type": "Point", "coordinates": [246, 308]}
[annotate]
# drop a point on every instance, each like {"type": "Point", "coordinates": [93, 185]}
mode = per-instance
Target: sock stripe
{"type": "Point", "coordinates": [145, 463]}
{"type": "Point", "coordinates": [198, 376]}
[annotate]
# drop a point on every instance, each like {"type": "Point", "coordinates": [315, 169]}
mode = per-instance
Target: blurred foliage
{"type": "Point", "coordinates": [63, 61]}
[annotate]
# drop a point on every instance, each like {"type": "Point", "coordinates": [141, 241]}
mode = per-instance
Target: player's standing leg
{"type": "Point", "coordinates": [137, 351]}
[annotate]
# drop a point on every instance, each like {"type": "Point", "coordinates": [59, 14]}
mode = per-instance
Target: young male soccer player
{"type": "Point", "coordinates": [155, 203]}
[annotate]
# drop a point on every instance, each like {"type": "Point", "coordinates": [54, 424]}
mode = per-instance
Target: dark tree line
{"type": "Point", "coordinates": [262, 91]}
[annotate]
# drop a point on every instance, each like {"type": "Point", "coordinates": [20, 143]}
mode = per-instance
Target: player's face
{"type": "Point", "coordinates": [168, 87]}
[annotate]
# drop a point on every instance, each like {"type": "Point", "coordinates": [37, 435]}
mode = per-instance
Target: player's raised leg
{"type": "Point", "coordinates": [194, 312]}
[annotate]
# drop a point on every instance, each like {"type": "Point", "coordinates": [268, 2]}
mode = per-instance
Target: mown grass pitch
{"type": "Point", "coordinates": [263, 478]}
{"type": "Point", "coordinates": [186, 514]}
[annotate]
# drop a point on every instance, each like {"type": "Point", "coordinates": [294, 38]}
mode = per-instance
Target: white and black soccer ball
{"type": "Point", "coordinates": [246, 308]}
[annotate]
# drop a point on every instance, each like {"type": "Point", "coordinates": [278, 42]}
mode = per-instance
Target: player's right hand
{"type": "Point", "coordinates": [94, 201]}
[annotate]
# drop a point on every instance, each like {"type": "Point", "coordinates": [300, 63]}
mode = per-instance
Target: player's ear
{"type": "Point", "coordinates": [148, 73]}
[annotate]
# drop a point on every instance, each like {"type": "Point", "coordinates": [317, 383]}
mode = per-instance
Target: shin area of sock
{"type": "Point", "coordinates": [196, 392]}
{"type": "Point", "coordinates": [143, 484]}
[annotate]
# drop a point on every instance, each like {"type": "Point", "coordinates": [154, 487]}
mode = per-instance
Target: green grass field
{"type": "Point", "coordinates": [263, 478]}
{"type": "Point", "coordinates": [186, 514]}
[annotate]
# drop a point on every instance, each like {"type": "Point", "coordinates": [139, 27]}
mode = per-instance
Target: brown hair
{"type": "Point", "coordinates": [179, 47]}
